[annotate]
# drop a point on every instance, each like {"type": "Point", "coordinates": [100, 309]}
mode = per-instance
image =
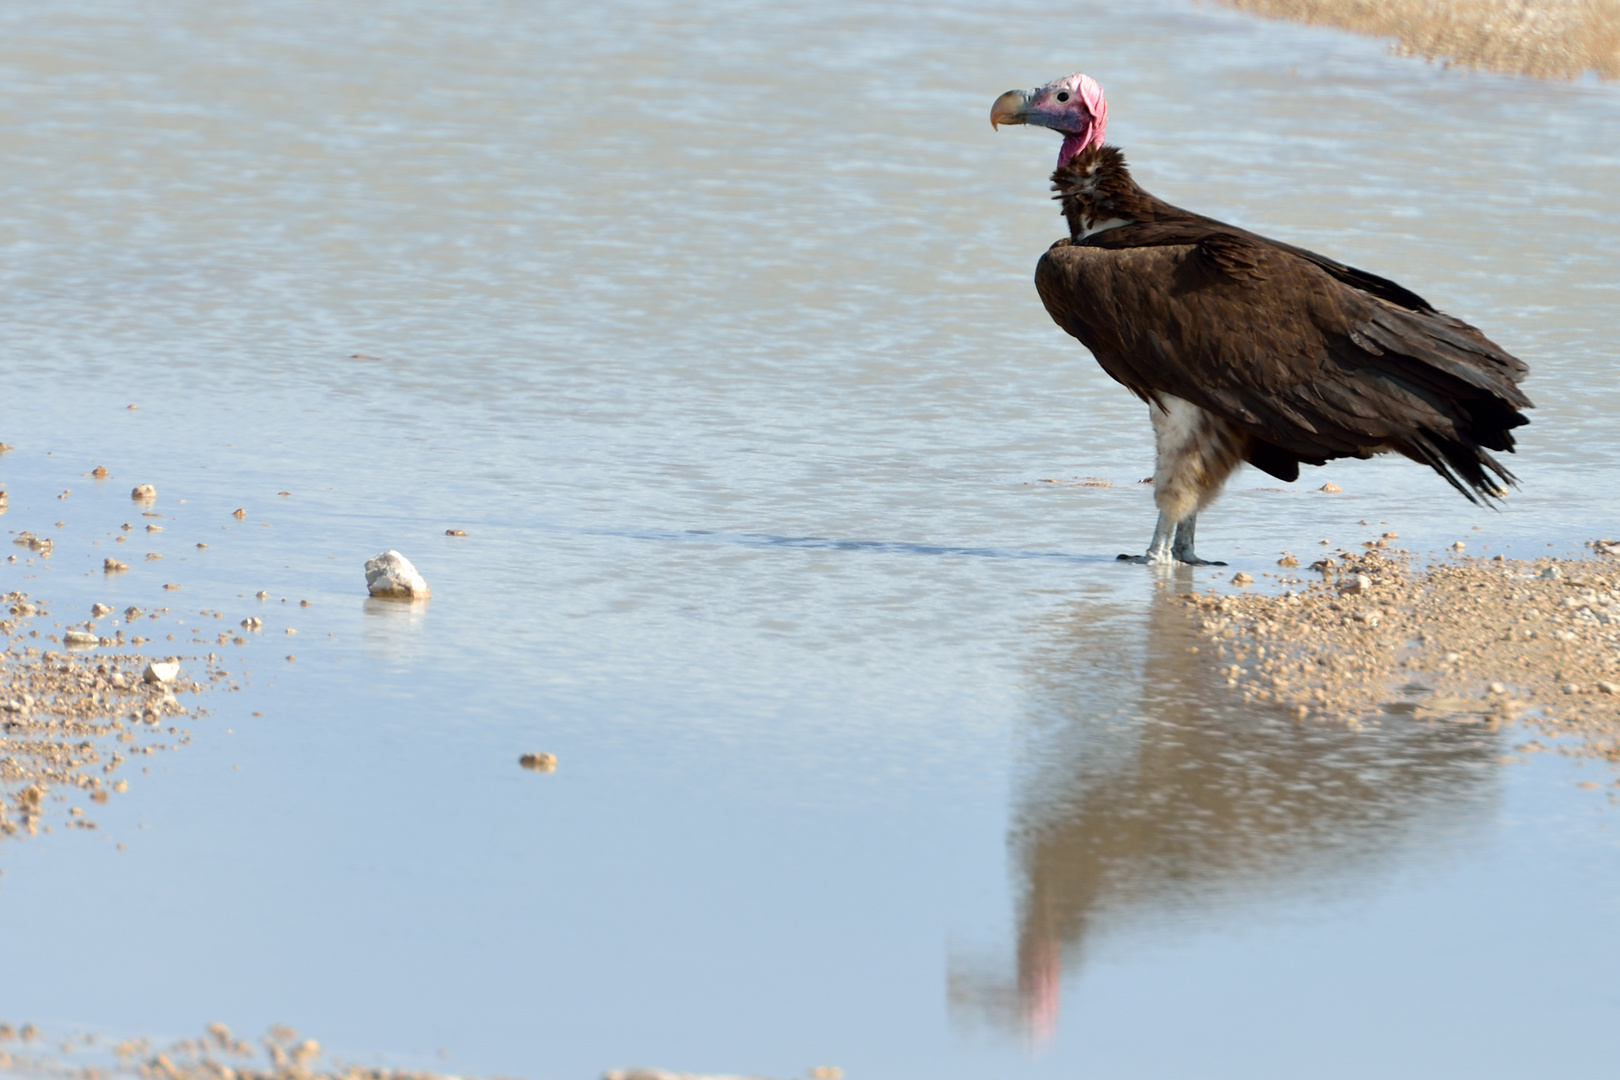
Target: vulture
{"type": "Point", "coordinates": [1247, 349]}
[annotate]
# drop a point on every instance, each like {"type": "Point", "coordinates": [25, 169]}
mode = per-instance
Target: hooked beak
{"type": "Point", "coordinates": [1011, 108]}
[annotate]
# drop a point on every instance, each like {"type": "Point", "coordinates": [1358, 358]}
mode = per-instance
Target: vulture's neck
{"type": "Point", "coordinates": [1098, 194]}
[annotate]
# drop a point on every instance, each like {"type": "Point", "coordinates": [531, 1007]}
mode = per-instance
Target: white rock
{"type": "Point", "coordinates": [391, 574]}
{"type": "Point", "coordinates": [143, 493]}
{"type": "Point", "coordinates": [161, 671]}
{"type": "Point", "coordinates": [1357, 585]}
{"type": "Point", "coordinates": [1551, 573]}
{"type": "Point", "coordinates": [79, 637]}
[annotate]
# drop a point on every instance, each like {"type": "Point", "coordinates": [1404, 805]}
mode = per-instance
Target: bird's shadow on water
{"type": "Point", "coordinates": [1151, 804]}
{"type": "Point", "coordinates": [826, 543]}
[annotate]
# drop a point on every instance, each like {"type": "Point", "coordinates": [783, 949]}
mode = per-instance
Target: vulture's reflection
{"type": "Point", "coordinates": [1151, 797]}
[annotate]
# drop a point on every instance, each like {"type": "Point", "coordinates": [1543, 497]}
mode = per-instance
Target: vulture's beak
{"type": "Point", "coordinates": [1010, 108]}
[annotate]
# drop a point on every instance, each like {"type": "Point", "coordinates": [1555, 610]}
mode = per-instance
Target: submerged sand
{"type": "Point", "coordinates": [70, 719]}
{"type": "Point", "coordinates": [1366, 637]}
{"type": "Point", "coordinates": [219, 1055]}
{"type": "Point", "coordinates": [1556, 39]}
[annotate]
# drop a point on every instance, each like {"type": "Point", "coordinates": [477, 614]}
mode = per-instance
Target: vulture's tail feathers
{"type": "Point", "coordinates": [1464, 466]}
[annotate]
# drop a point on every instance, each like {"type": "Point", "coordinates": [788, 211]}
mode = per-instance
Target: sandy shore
{"type": "Point", "coordinates": [1365, 638]}
{"type": "Point", "coordinates": [1557, 39]}
{"type": "Point", "coordinates": [70, 718]}
{"type": "Point", "coordinates": [220, 1055]}
{"type": "Point", "coordinates": [217, 1055]}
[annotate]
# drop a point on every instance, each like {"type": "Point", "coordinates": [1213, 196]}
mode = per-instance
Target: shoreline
{"type": "Point", "coordinates": [1471, 640]}
{"type": "Point", "coordinates": [64, 711]}
{"type": "Point", "coordinates": [1551, 39]}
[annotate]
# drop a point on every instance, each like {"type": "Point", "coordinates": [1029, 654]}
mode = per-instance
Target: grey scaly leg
{"type": "Point", "coordinates": [1183, 547]}
{"type": "Point", "coordinates": [1172, 543]}
{"type": "Point", "coordinates": [1159, 552]}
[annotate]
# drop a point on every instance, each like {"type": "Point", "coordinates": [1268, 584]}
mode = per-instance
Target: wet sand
{"type": "Point", "coordinates": [1359, 637]}
{"type": "Point", "coordinates": [71, 717]}
{"type": "Point", "coordinates": [219, 1055]}
{"type": "Point", "coordinates": [1557, 39]}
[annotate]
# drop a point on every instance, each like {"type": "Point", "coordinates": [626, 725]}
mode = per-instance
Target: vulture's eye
{"type": "Point", "coordinates": [1063, 95]}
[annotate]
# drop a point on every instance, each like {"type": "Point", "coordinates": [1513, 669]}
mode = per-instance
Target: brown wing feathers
{"type": "Point", "coordinates": [1314, 359]}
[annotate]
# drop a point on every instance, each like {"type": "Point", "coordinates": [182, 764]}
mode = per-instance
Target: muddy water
{"type": "Point", "coordinates": [714, 331]}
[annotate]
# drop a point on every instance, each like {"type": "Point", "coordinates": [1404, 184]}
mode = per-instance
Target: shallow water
{"type": "Point", "coordinates": [714, 330]}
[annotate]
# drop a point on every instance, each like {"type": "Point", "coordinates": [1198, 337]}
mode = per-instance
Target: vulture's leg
{"type": "Point", "coordinates": [1158, 552]}
{"type": "Point", "coordinates": [1182, 549]}
{"type": "Point", "coordinates": [1196, 452]}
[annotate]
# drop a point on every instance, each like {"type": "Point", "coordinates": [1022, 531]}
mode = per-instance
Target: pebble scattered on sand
{"type": "Point", "coordinates": [216, 1055]}
{"type": "Point", "coordinates": [65, 718]}
{"type": "Point", "coordinates": [1471, 640]}
{"type": "Point", "coordinates": [1558, 39]}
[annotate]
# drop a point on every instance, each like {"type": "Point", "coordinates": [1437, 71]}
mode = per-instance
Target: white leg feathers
{"type": "Point", "coordinates": [1196, 451]}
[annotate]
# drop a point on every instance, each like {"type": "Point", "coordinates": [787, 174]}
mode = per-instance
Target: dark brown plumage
{"type": "Point", "coordinates": [1253, 350]}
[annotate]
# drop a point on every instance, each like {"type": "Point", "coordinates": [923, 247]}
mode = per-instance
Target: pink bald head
{"type": "Point", "coordinates": [1073, 106]}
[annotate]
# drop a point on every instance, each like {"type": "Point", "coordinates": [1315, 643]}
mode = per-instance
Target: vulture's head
{"type": "Point", "coordinates": [1073, 106]}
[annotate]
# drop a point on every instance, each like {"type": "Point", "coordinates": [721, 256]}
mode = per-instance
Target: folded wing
{"type": "Point", "coordinates": [1313, 359]}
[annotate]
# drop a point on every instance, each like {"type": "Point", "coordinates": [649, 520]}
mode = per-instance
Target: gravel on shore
{"type": "Point", "coordinates": [1469, 640]}
{"type": "Point", "coordinates": [217, 1055]}
{"type": "Point", "coordinates": [220, 1055]}
{"type": "Point", "coordinates": [1555, 39]}
{"type": "Point", "coordinates": [70, 718]}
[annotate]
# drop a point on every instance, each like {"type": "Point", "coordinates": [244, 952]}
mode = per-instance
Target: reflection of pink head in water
{"type": "Point", "coordinates": [1040, 987]}
{"type": "Point", "coordinates": [1073, 105]}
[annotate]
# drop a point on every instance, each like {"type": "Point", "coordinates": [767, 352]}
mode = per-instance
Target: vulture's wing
{"type": "Point", "coordinates": [1312, 366]}
{"type": "Point", "coordinates": [1193, 227]}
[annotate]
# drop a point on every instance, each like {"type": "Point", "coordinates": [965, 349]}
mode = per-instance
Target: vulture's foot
{"type": "Point", "coordinates": [1158, 552]}
{"type": "Point", "coordinates": [1182, 548]}
{"type": "Point", "coordinates": [1168, 559]}
{"type": "Point", "coordinates": [1172, 545]}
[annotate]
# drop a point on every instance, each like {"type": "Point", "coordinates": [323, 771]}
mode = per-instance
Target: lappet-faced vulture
{"type": "Point", "coordinates": [1247, 349]}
